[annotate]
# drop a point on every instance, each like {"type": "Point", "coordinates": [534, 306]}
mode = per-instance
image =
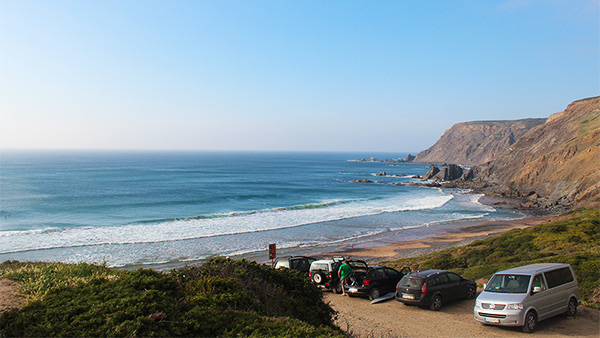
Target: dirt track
{"type": "Point", "coordinates": [394, 319]}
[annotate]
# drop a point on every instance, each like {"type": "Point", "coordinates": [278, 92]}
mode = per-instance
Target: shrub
{"type": "Point", "coordinates": [223, 298]}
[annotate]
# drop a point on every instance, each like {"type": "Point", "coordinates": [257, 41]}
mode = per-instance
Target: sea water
{"type": "Point", "coordinates": [137, 208]}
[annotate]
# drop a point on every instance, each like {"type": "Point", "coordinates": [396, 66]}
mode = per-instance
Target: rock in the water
{"type": "Point", "coordinates": [450, 172]}
{"type": "Point", "coordinates": [381, 174]}
{"type": "Point", "coordinates": [431, 172]}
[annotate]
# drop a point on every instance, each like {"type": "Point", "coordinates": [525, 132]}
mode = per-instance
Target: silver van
{"type": "Point", "coordinates": [525, 295]}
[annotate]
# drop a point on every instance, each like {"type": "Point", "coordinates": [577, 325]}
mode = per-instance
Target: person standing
{"type": "Point", "coordinates": [343, 273]}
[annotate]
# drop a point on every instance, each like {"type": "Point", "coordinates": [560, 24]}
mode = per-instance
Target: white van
{"type": "Point", "coordinates": [525, 295]}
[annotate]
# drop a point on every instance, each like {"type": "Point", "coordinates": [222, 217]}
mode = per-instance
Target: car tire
{"type": "Point", "coordinates": [318, 277]}
{"type": "Point", "coordinates": [375, 293]}
{"type": "Point", "coordinates": [530, 322]}
{"type": "Point", "coordinates": [338, 288]}
{"type": "Point", "coordinates": [572, 308]}
{"type": "Point", "coordinates": [436, 303]}
{"type": "Point", "coordinates": [471, 292]}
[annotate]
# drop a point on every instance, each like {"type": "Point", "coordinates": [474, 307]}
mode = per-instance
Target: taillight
{"type": "Point", "coordinates": [424, 289]}
{"type": "Point", "coordinates": [329, 275]}
{"type": "Point", "coordinates": [366, 282]}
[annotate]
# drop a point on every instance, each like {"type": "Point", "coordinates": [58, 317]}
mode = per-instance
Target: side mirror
{"type": "Point", "coordinates": [537, 289]}
{"type": "Point", "coordinates": [484, 286]}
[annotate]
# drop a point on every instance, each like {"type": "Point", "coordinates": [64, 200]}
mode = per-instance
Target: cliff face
{"type": "Point", "coordinates": [476, 142]}
{"type": "Point", "coordinates": [556, 163]}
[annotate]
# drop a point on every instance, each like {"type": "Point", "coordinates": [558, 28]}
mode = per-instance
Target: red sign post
{"type": "Point", "coordinates": [272, 251]}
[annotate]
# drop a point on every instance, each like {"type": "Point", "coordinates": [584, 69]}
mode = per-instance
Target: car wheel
{"type": "Point", "coordinates": [375, 293]}
{"type": "Point", "coordinates": [471, 292]}
{"type": "Point", "coordinates": [317, 277]}
{"type": "Point", "coordinates": [572, 307]}
{"type": "Point", "coordinates": [436, 303]}
{"type": "Point", "coordinates": [530, 322]}
{"type": "Point", "coordinates": [338, 287]}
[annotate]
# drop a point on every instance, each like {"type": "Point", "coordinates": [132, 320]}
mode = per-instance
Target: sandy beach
{"type": "Point", "coordinates": [450, 238]}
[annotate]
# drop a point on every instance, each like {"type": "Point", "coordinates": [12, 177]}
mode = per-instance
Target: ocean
{"type": "Point", "coordinates": [144, 208]}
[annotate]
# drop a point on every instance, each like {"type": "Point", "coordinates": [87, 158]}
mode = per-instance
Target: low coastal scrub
{"type": "Point", "coordinates": [221, 298]}
{"type": "Point", "coordinates": [574, 239]}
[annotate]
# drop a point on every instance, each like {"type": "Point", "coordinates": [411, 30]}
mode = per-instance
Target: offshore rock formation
{"type": "Point", "coordinates": [476, 142]}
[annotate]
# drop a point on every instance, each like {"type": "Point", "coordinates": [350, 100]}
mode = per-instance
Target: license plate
{"type": "Point", "coordinates": [353, 290]}
{"type": "Point", "coordinates": [408, 296]}
{"type": "Point", "coordinates": [492, 320]}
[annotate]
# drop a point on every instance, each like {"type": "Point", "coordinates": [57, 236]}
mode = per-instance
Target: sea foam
{"type": "Point", "coordinates": [214, 225]}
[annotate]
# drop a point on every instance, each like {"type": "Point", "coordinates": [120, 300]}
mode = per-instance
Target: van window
{"type": "Point", "coordinates": [538, 281]}
{"type": "Point", "coordinates": [508, 283]}
{"type": "Point", "coordinates": [558, 277]}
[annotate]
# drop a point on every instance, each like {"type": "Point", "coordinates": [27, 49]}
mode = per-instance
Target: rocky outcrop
{"type": "Point", "coordinates": [476, 142]}
{"type": "Point", "coordinates": [450, 172]}
{"type": "Point", "coordinates": [431, 172]}
{"type": "Point", "coordinates": [556, 163]}
{"type": "Point", "coordinates": [409, 158]}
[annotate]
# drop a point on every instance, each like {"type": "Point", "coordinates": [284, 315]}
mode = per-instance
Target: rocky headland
{"type": "Point", "coordinates": [553, 165]}
{"type": "Point", "coordinates": [476, 142]}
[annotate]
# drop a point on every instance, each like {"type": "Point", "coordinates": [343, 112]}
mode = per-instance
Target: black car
{"type": "Point", "coordinates": [434, 287]}
{"type": "Point", "coordinates": [373, 281]}
{"type": "Point", "coordinates": [300, 263]}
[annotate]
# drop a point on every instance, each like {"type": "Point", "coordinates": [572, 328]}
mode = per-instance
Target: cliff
{"type": "Point", "coordinates": [556, 163]}
{"type": "Point", "coordinates": [476, 142]}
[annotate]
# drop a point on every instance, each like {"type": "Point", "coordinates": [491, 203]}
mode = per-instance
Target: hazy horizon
{"type": "Point", "coordinates": [386, 77]}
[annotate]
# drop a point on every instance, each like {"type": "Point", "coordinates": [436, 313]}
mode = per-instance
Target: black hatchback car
{"type": "Point", "coordinates": [433, 288]}
{"type": "Point", "coordinates": [374, 281]}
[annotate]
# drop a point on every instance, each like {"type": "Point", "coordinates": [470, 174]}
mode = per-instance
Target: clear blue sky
{"type": "Point", "coordinates": [285, 75]}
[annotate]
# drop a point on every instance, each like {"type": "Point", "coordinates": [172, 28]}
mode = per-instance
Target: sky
{"type": "Point", "coordinates": [387, 76]}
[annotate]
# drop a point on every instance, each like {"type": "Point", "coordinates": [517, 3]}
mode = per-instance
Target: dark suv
{"type": "Point", "coordinates": [300, 263]}
{"type": "Point", "coordinates": [434, 287]}
{"type": "Point", "coordinates": [373, 282]}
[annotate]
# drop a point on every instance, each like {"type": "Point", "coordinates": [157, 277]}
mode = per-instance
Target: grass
{"type": "Point", "coordinates": [573, 239]}
{"type": "Point", "coordinates": [221, 298]}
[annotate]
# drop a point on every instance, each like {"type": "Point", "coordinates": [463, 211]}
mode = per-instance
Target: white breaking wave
{"type": "Point", "coordinates": [177, 230]}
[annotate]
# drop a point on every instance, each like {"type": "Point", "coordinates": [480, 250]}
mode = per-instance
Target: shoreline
{"type": "Point", "coordinates": [395, 244]}
{"type": "Point", "coordinates": [391, 246]}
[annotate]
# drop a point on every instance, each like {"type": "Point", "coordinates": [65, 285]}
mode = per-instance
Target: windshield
{"type": "Point", "coordinates": [508, 284]}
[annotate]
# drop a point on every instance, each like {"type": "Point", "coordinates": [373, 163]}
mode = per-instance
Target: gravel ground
{"type": "Point", "coordinates": [360, 318]}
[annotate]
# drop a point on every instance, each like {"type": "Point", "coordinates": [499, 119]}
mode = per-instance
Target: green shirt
{"type": "Point", "coordinates": [345, 270]}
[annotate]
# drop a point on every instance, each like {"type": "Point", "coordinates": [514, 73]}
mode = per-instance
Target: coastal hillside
{"type": "Point", "coordinates": [476, 142]}
{"type": "Point", "coordinates": [556, 163]}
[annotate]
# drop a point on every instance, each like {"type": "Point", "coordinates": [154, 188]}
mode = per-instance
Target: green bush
{"type": "Point", "coordinates": [221, 298]}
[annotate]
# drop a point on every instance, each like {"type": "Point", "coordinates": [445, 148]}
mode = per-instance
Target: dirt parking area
{"type": "Point", "coordinates": [360, 318]}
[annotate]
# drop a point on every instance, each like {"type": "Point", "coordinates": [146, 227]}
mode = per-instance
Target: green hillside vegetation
{"type": "Point", "coordinates": [573, 239]}
{"type": "Point", "coordinates": [223, 298]}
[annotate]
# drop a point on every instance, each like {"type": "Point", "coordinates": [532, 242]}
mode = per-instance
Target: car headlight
{"type": "Point", "coordinates": [514, 307]}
